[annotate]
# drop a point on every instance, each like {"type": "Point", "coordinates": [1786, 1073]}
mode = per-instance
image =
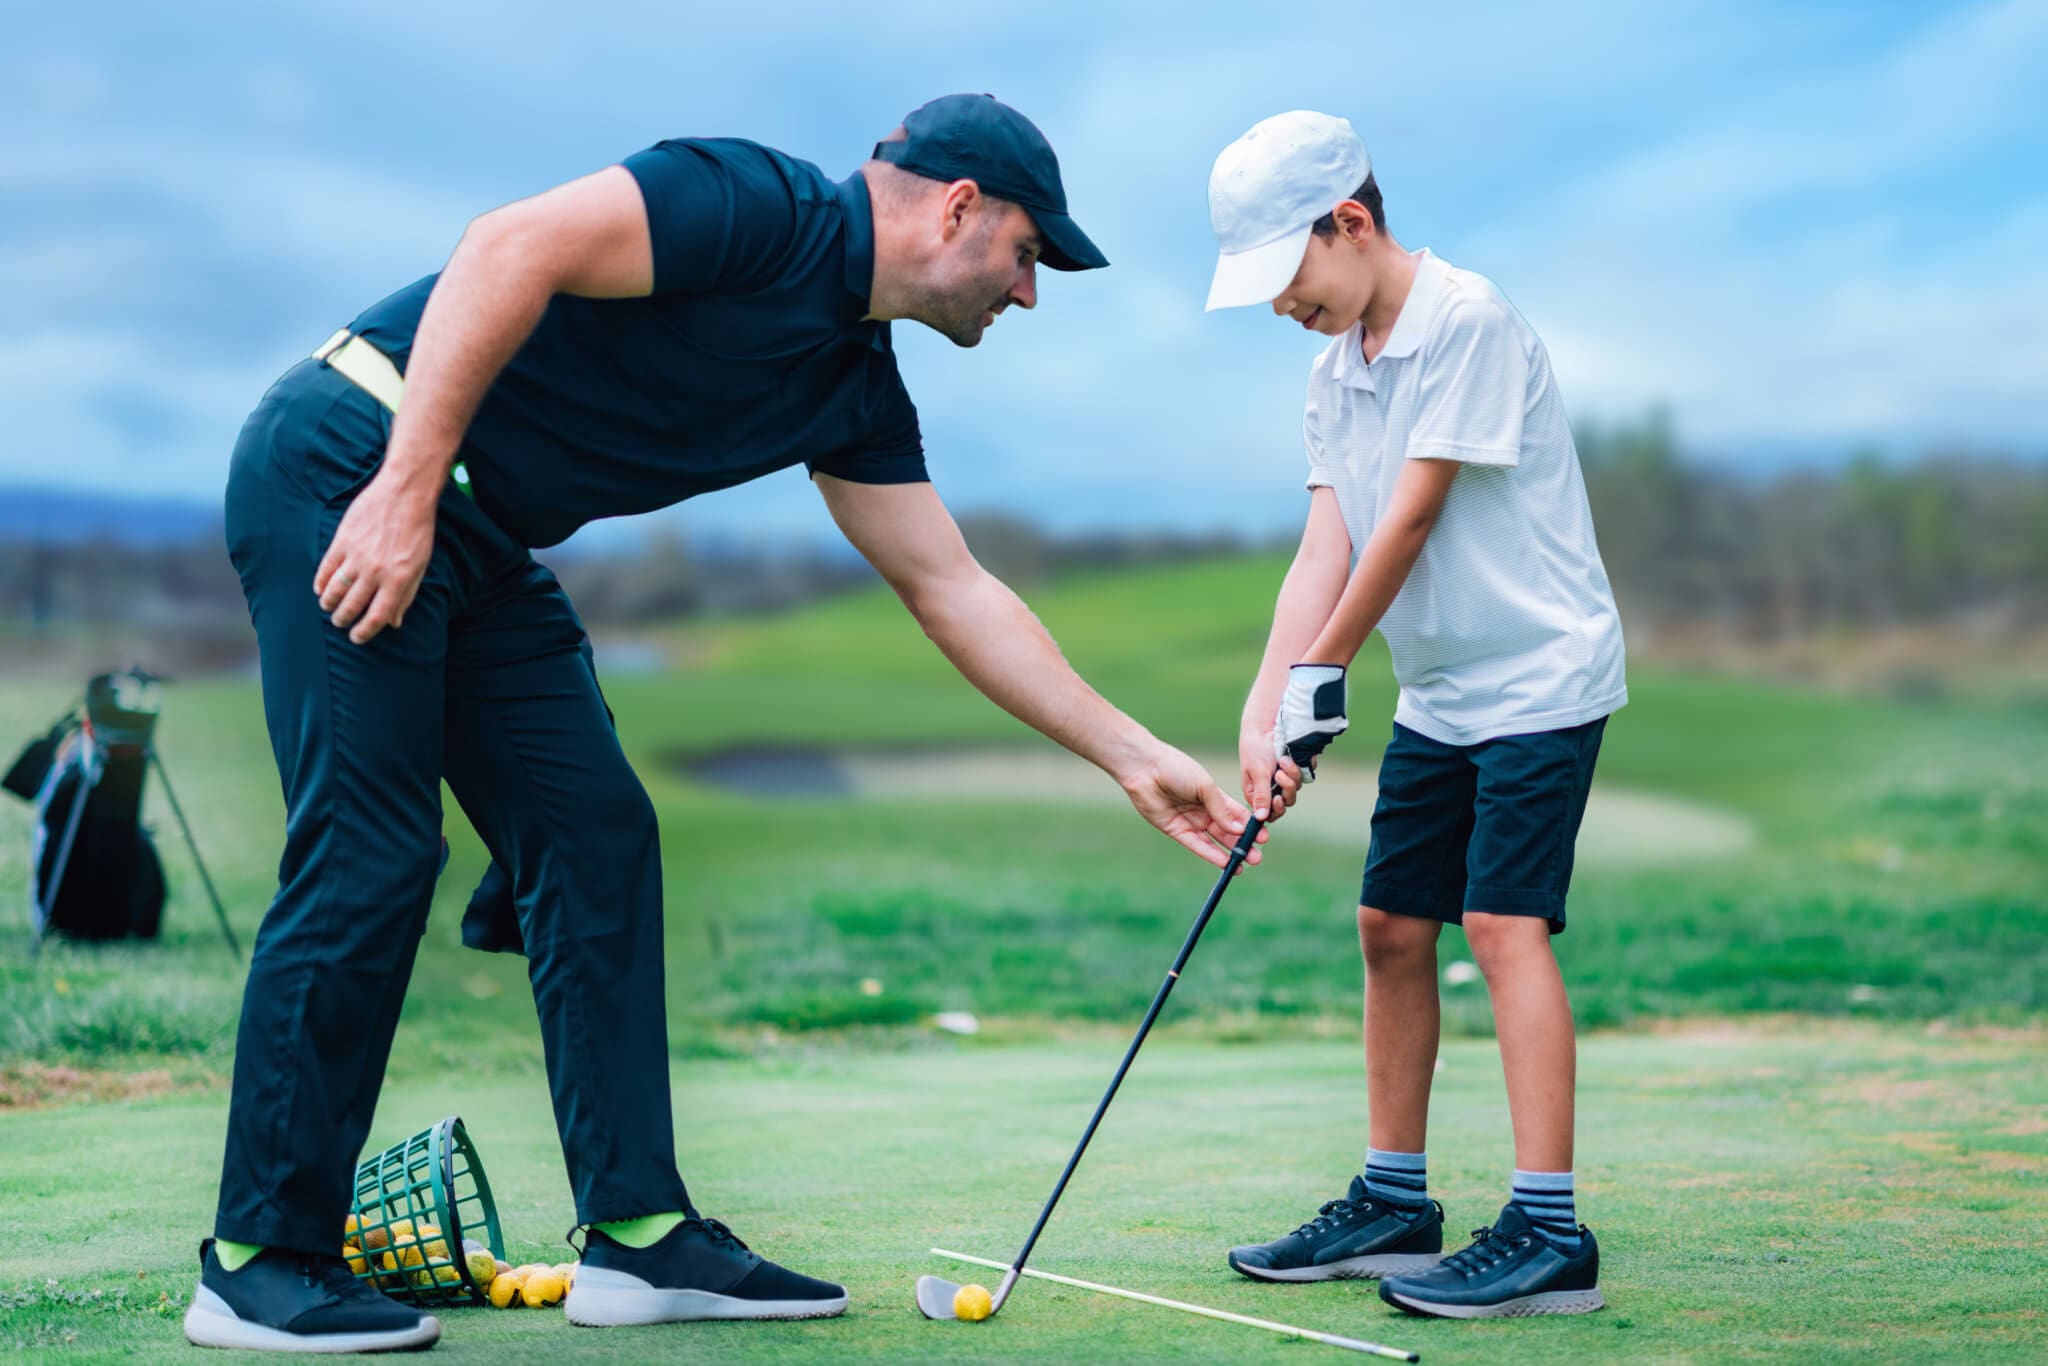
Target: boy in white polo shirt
{"type": "Point", "coordinates": [1447, 509]}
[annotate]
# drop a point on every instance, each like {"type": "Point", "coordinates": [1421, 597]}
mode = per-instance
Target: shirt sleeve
{"type": "Point", "coordinates": [720, 213]}
{"type": "Point", "coordinates": [1473, 390]}
{"type": "Point", "coordinates": [1312, 439]}
{"type": "Point", "coordinates": [890, 448]}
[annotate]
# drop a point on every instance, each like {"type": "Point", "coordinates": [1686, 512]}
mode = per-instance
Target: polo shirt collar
{"type": "Point", "coordinates": [1410, 326]}
{"type": "Point", "coordinates": [860, 236]}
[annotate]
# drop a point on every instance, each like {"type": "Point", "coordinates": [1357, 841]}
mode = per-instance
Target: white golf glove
{"type": "Point", "coordinates": [1311, 715]}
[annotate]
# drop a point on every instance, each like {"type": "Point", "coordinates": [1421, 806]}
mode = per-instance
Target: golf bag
{"type": "Point", "coordinates": [94, 873]}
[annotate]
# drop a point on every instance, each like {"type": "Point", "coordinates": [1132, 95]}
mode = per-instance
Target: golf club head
{"type": "Point", "coordinates": [935, 1296]}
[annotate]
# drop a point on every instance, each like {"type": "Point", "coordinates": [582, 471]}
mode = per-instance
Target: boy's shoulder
{"type": "Point", "coordinates": [1468, 303]}
{"type": "Point", "coordinates": [1470, 306]}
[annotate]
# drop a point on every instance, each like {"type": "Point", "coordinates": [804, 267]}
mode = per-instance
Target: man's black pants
{"type": "Point", "coordinates": [486, 685]}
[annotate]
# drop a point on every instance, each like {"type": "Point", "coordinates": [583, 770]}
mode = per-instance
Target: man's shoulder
{"type": "Point", "coordinates": [748, 164]}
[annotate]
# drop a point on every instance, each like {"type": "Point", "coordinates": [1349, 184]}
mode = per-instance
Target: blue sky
{"type": "Point", "coordinates": [1806, 228]}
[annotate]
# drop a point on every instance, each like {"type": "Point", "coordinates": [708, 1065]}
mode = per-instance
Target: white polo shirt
{"type": "Point", "coordinates": [1506, 624]}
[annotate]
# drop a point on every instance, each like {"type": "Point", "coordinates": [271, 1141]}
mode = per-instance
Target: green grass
{"type": "Point", "coordinates": [1849, 1193]}
{"type": "Point", "coordinates": [1864, 1186]}
{"type": "Point", "coordinates": [1900, 871]}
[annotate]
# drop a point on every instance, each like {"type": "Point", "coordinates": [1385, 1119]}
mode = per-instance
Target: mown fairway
{"type": "Point", "coordinates": [1830, 1193]}
{"type": "Point", "coordinates": [1897, 881]}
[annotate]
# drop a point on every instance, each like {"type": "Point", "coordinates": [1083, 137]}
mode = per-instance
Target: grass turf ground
{"type": "Point", "coordinates": [1842, 1193]}
{"type": "Point", "coordinates": [1899, 873]}
{"type": "Point", "coordinates": [1898, 876]}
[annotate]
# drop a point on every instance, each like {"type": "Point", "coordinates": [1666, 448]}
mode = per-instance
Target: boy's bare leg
{"type": "Point", "coordinates": [1385, 1224]}
{"type": "Point", "coordinates": [1533, 1019]}
{"type": "Point", "coordinates": [1401, 1025]}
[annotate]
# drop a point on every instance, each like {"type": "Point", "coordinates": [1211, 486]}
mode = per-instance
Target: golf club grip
{"type": "Point", "coordinates": [1230, 866]}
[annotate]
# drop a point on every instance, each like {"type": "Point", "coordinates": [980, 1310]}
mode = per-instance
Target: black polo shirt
{"type": "Point", "coordinates": [750, 356]}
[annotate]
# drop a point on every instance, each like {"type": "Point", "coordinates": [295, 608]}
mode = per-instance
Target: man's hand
{"type": "Point", "coordinates": [373, 567]}
{"type": "Point", "coordinates": [1311, 715]}
{"type": "Point", "coordinates": [1180, 798]}
{"type": "Point", "coordinates": [1271, 784]}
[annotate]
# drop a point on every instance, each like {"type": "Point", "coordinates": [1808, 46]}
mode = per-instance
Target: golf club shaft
{"type": "Point", "coordinates": [1230, 867]}
{"type": "Point", "coordinates": [1331, 1339]}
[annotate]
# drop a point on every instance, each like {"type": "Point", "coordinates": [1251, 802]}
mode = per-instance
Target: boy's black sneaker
{"type": "Point", "coordinates": [1352, 1238]}
{"type": "Point", "coordinates": [1510, 1271]}
{"type": "Point", "coordinates": [698, 1270]}
{"type": "Point", "coordinates": [283, 1301]}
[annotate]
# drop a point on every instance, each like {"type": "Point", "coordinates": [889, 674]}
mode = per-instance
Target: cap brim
{"type": "Point", "coordinates": [1066, 246]}
{"type": "Point", "coordinates": [1257, 276]}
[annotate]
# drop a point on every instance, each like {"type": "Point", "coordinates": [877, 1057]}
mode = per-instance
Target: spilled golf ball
{"type": "Point", "coordinates": [972, 1303]}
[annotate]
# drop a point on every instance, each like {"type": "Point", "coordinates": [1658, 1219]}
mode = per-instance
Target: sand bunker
{"type": "Point", "coordinates": [1623, 827]}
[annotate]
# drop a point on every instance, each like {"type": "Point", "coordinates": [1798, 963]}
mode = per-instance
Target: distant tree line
{"type": "Point", "coordinates": [1865, 544]}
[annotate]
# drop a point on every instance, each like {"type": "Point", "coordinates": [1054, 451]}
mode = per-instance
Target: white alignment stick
{"type": "Point", "coordinates": [1310, 1334]}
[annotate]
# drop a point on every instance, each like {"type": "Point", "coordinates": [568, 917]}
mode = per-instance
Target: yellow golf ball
{"type": "Point", "coordinates": [972, 1302]}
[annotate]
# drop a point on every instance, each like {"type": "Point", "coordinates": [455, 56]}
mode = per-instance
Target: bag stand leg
{"type": "Point", "coordinates": [63, 861]}
{"type": "Point", "coordinates": [192, 844]}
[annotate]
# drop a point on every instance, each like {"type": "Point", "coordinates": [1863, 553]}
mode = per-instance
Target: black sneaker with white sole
{"type": "Point", "coordinates": [698, 1270]}
{"type": "Point", "coordinates": [282, 1301]}
{"type": "Point", "coordinates": [1510, 1271]}
{"type": "Point", "coordinates": [1352, 1238]}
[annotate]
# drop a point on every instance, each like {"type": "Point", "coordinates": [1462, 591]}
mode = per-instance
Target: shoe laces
{"type": "Point", "coordinates": [330, 1272]}
{"type": "Point", "coordinates": [1335, 1213]}
{"type": "Point", "coordinates": [720, 1233]}
{"type": "Point", "coordinates": [1490, 1247]}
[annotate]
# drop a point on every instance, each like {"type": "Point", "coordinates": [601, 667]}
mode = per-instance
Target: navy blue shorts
{"type": "Point", "coordinates": [1486, 827]}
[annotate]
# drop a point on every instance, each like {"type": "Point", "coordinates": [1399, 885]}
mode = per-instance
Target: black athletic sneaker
{"type": "Point", "coordinates": [698, 1270]}
{"type": "Point", "coordinates": [1510, 1271]}
{"type": "Point", "coordinates": [1354, 1238]}
{"type": "Point", "coordinates": [283, 1301]}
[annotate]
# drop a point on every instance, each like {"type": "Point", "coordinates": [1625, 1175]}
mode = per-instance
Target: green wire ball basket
{"type": "Point", "coordinates": [416, 1204]}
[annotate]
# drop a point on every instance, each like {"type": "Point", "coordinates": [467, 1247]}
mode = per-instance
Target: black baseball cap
{"type": "Point", "coordinates": [979, 138]}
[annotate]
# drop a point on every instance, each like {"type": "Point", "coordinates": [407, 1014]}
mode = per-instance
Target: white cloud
{"type": "Point", "coordinates": [1772, 274]}
{"type": "Point", "coordinates": [1726, 206]}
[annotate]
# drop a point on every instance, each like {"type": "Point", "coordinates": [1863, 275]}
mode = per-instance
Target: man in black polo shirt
{"type": "Point", "coordinates": [707, 313]}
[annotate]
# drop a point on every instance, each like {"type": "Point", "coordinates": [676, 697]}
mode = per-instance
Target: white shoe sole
{"type": "Point", "coordinates": [210, 1323]}
{"type": "Point", "coordinates": [1549, 1302]}
{"type": "Point", "coordinates": [1368, 1268]}
{"type": "Point", "coordinates": [613, 1299]}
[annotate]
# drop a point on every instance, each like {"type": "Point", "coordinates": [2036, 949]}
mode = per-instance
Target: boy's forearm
{"type": "Point", "coordinates": [1390, 553]}
{"type": "Point", "coordinates": [1309, 593]}
{"type": "Point", "coordinates": [1383, 565]}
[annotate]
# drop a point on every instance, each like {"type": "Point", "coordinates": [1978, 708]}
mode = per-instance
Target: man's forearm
{"type": "Point", "coordinates": [999, 646]}
{"type": "Point", "coordinates": [486, 303]}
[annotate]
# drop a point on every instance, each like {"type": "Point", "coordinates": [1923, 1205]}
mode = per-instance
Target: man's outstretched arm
{"type": "Point", "coordinates": [1000, 647]}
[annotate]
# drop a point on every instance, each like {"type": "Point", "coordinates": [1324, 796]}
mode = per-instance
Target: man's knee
{"type": "Point", "coordinates": [349, 899]}
{"type": "Point", "coordinates": [1394, 942]}
{"type": "Point", "coordinates": [621, 816]}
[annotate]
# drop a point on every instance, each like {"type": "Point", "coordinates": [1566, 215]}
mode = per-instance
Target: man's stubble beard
{"type": "Point", "coordinates": [953, 308]}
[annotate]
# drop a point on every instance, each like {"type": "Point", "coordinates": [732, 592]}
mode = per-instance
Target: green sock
{"type": "Point", "coordinates": [645, 1231]}
{"type": "Point", "coordinates": [234, 1256]}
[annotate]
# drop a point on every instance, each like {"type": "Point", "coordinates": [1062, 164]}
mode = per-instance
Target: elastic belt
{"type": "Point", "coordinates": [371, 371]}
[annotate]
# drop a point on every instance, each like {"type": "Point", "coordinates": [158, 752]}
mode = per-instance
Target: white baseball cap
{"type": "Point", "coordinates": [1267, 190]}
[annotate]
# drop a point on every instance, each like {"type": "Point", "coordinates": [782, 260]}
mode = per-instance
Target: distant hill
{"type": "Point", "coordinates": [69, 516]}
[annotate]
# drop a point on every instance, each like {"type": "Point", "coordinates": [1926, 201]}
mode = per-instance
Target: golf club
{"type": "Point", "coordinates": [1307, 1334]}
{"type": "Point", "coordinates": [934, 1293]}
